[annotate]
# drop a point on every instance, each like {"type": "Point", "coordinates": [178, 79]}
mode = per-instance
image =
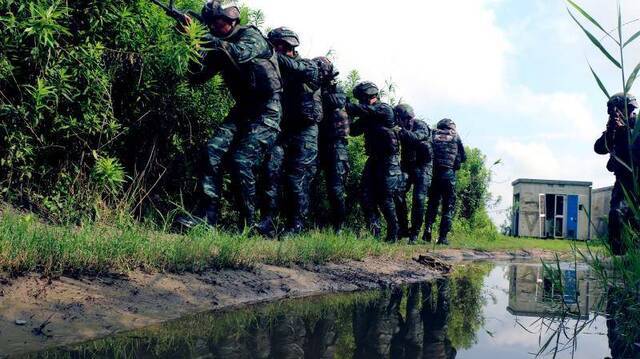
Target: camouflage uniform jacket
{"type": "Point", "coordinates": [248, 65]}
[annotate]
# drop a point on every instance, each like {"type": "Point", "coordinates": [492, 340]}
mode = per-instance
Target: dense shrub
{"type": "Point", "coordinates": [95, 109]}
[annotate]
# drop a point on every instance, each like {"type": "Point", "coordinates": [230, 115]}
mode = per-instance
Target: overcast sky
{"type": "Point", "coordinates": [513, 74]}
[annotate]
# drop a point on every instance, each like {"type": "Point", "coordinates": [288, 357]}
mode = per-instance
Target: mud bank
{"type": "Point", "coordinates": [37, 313]}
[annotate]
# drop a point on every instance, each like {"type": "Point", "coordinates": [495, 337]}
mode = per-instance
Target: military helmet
{"type": "Point", "coordinates": [284, 34]}
{"type": "Point", "coordinates": [618, 101]}
{"type": "Point", "coordinates": [365, 90]}
{"type": "Point", "coordinates": [446, 124]}
{"type": "Point", "coordinates": [212, 9]}
{"type": "Point", "coordinates": [404, 111]}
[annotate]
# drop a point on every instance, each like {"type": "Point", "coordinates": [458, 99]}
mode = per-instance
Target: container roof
{"type": "Point", "coordinates": [551, 182]}
{"type": "Point", "coordinates": [603, 189]}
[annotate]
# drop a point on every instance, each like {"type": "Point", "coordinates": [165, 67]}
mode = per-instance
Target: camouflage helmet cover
{"type": "Point", "coordinates": [284, 34]}
{"type": "Point", "coordinates": [618, 101]}
{"type": "Point", "coordinates": [213, 9]}
{"type": "Point", "coordinates": [446, 124]}
{"type": "Point", "coordinates": [365, 90]}
{"type": "Point", "coordinates": [404, 112]}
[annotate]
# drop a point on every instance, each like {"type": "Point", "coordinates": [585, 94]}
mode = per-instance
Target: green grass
{"type": "Point", "coordinates": [505, 243]}
{"type": "Point", "coordinates": [27, 245]}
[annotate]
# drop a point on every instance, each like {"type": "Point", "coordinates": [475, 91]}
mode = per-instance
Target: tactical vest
{"type": "Point", "coordinates": [445, 148]}
{"type": "Point", "coordinates": [302, 101]}
{"type": "Point", "coordinates": [335, 124]}
{"type": "Point", "coordinates": [421, 153]}
{"type": "Point", "coordinates": [257, 79]}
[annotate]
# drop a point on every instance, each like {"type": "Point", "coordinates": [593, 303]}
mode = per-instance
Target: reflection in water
{"type": "Point", "coordinates": [537, 292]}
{"type": "Point", "coordinates": [624, 340]}
{"type": "Point", "coordinates": [481, 311]}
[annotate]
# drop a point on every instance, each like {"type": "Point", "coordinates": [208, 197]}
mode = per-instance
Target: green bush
{"type": "Point", "coordinates": [94, 93]}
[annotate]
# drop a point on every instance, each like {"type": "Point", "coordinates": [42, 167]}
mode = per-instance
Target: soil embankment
{"type": "Point", "coordinates": [37, 313]}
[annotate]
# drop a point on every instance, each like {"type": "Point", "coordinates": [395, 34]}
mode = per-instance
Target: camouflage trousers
{"type": "Point", "coordinates": [620, 215]}
{"type": "Point", "coordinates": [295, 162]}
{"type": "Point", "coordinates": [418, 178]}
{"type": "Point", "coordinates": [334, 162]}
{"type": "Point", "coordinates": [242, 141]}
{"type": "Point", "coordinates": [443, 190]}
{"type": "Point", "coordinates": [381, 187]}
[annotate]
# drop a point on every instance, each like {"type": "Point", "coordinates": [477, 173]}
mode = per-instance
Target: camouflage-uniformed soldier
{"type": "Point", "coordinates": [448, 156]}
{"type": "Point", "coordinates": [333, 143]}
{"type": "Point", "coordinates": [435, 315]}
{"type": "Point", "coordinates": [249, 67]}
{"type": "Point", "coordinates": [296, 153]}
{"type": "Point", "coordinates": [417, 164]}
{"type": "Point", "coordinates": [615, 142]}
{"type": "Point", "coordinates": [382, 178]}
{"type": "Point", "coordinates": [377, 326]}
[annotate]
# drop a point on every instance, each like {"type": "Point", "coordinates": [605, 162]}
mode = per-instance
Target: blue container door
{"type": "Point", "coordinates": [572, 217]}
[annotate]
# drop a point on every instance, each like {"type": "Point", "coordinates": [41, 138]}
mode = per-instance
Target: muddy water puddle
{"type": "Point", "coordinates": [483, 310]}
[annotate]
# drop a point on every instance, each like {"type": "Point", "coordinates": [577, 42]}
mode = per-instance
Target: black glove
{"type": "Point", "coordinates": [336, 100]}
{"type": "Point", "coordinates": [211, 42]}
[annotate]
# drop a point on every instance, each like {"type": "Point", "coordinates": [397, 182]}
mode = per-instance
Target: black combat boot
{"type": "Point", "coordinates": [296, 227]}
{"type": "Point", "coordinates": [443, 241]}
{"type": "Point", "coordinates": [211, 215]}
{"type": "Point", "coordinates": [266, 228]}
{"type": "Point", "coordinates": [413, 238]}
{"type": "Point", "coordinates": [427, 234]}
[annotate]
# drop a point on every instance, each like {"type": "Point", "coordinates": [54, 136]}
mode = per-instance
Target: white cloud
{"type": "Point", "coordinates": [558, 115]}
{"type": "Point", "coordinates": [433, 50]}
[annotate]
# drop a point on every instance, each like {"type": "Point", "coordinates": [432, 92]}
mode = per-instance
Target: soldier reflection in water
{"type": "Point", "coordinates": [621, 341]}
{"type": "Point", "coordinates": [381, 332]}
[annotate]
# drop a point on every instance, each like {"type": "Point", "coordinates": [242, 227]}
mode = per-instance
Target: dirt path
{"type": "Point", "coordinates": [37, 313]}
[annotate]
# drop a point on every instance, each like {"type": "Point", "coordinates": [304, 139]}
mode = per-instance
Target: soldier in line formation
{"type": "Point", "coordinates": [291, 116]}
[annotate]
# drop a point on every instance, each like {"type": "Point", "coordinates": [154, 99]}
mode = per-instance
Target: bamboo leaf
{"type": "Point", "coordinates": [632, 78]}
{"type": "Point", "coordinates": [635, 36]}
{"type": "Point", "coordinates": [600, 84]}
{"type": "Point", "coordinates": [587, 16]}
{"type": "Point", "coordinates": [595, 41]}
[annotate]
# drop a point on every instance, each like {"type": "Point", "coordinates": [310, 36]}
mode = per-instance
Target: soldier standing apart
{"type": "Point", "coordinates": [249, 67]}
{"type": "Point", "coordinates": [448, 156]}
{"type": "Point", "coordinates": [417, 164]}
{"type": "Point", "coordinates": [296, 154]}
{"type": "Point", "coordinates": [615, 142]}
{"type": "Point", "coordinates": [382, 177]}
{"type": "Point", "coordinates": [333, 143]}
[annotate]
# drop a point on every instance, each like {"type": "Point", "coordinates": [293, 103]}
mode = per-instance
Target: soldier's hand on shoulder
{"type": "Point", "coordinates": [211, 42]}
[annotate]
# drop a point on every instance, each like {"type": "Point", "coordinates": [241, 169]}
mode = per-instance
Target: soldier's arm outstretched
{"type": "Point", "coordinates": [381, 113]}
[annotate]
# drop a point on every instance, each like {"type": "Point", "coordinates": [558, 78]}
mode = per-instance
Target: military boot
{"type": "Point", "coordinates": [266, 228]}
{"type": "Point", "coordinates": [211, 215]}
{"type": "Point", "coordinates": [296, 227]}
{"type": "Point", "coordinates": [392, 233]}
{"type": "Point", "coordinates": [413, 238]}
{"type": "Point", "coordinates": [427, 234]}
{"type": "Point", "coordinates": [443, 241]}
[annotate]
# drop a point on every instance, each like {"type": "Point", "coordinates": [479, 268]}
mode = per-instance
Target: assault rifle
{"type": "Point", "coordinates": [179, 16]}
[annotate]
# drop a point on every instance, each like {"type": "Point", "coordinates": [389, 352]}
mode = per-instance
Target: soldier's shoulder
{"type": "Point", "coordinates": [421, 124]}
{"type": "Point", "coordinates": [250, 32]}
{"type": "Point", "coordinates": [385, 107]}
